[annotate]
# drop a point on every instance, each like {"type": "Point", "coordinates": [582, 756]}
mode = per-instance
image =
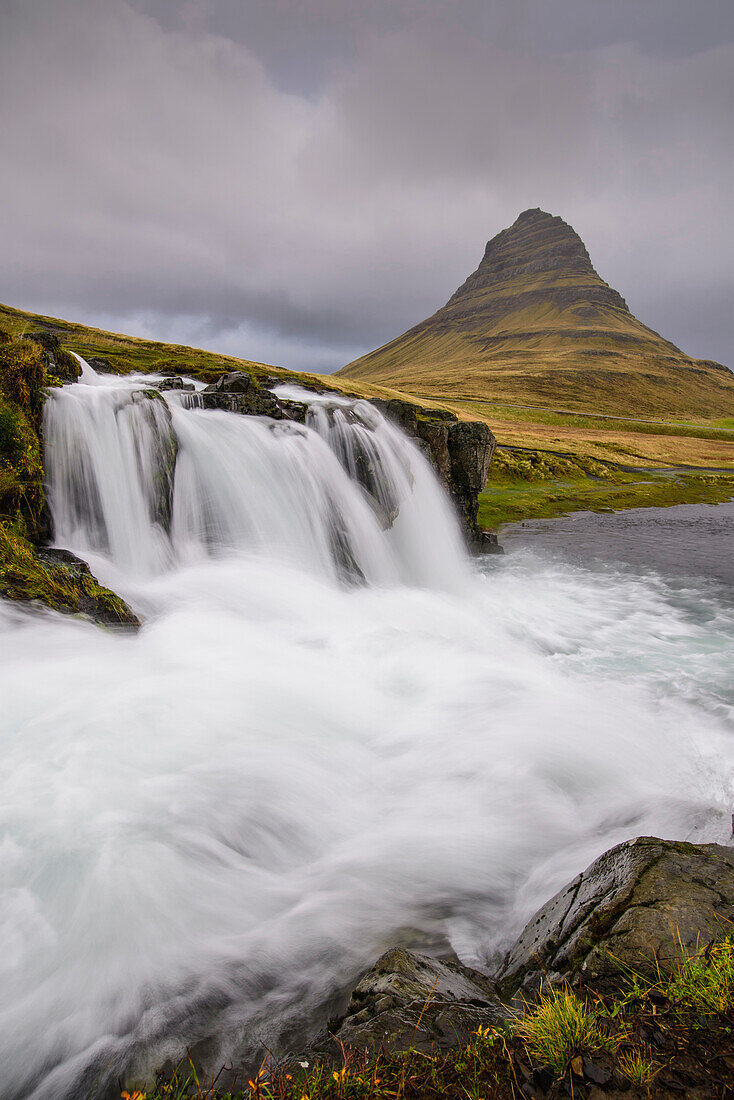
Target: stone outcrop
{"type": "Point", "coordinates": [634, 909]}
{"type": "Point", "coordinates": [240, 392]}
{"type": "Point", "coordinates": [460, 453]}
{"type": "Point", "coordinates": [407, 998]}
{"type": "Point", "coordinates": [163, 454]}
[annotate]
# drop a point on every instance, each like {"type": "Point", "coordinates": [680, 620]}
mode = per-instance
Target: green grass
{"type": "Point", "coordinates": [22, 378]}
{"type": "Point", "coordinates": [559, 1027]}
{"type": "Point", "coordinates": [535, 485]}
{"type": "Point", "coordinates": [639, 1068]}
{"type": "Point", "coordinates": [699, 986]}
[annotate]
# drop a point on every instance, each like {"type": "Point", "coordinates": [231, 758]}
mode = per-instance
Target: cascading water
{"type": "Point", "coordinates": [331, 728]}
{"type": "Point", "coordinates": [151, 482]}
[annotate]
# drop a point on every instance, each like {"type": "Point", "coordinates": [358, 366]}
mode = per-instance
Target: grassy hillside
{"type": "Point", "coordinates": [535, 324]}
{"type": "Point", "coordinates": [125, 354]}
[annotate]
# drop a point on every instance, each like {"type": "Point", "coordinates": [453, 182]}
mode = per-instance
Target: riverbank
{"type": "Point", "coordinates": [532, 484]}
{"type": "Point", "coordinates": [622, 984]}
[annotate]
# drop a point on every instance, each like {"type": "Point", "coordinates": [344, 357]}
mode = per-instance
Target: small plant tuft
{"type": "Point", "coordinates": [639, 1067]}
{"type": "Point", "coordinates": [559, 1027]}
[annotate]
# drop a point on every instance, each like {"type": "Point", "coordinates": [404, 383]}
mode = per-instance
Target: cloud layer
{"type": "Point", "coordinates": [158, 177]}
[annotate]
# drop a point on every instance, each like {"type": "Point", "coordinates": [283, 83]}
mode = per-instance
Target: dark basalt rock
{"type": "Point", "coordinates": [633, 909]}
{"type": "Point", "coordinates": [46, 340]}
{"type": "Point", "coordinates": [460, 452]}
{"type": "Point", "coordinates": [239, 392]}
{"type": "Point", "coordinates": [174, 382]}
{"type": "Point", "coordinates": [470, 447]}
{"type": "Point", "coordinates": [165, 453]}
{"type": "Point", "coordinates": [51, 555]}
{"type": "Point", "coordinates": [100, 364]}
{"type": "Point", "coordinates": [407, 999]}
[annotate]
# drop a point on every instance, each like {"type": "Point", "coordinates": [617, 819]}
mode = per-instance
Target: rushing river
{"type": "Point", "coordinates": [333, 730]}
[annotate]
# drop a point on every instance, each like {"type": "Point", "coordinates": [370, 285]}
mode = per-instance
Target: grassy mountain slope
{"type": "Point", "coordinates": [536, 324]}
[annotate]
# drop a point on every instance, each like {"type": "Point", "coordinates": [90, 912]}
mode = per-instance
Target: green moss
{"type": "Point", "coordinates": [22, 377]}
{"type": "Point", "coordinates": [62, 586]}
{"type": "Point", "coordinates": [67, 366]}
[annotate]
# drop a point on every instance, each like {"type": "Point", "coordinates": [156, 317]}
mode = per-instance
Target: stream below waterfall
{"type": "Point", "coordinates": [333, 730]}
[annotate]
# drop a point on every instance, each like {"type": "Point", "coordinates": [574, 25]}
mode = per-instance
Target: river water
{"type": "Point", "coordinates": [332, 730]}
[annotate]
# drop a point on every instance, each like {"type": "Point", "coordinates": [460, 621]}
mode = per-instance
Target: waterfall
{"type": "Point", "coordinates": [153, 481]}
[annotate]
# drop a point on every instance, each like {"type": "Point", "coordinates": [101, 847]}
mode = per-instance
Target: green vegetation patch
{"type": "Point", "coordinates": [537, 485]}
{"type": "Point", "coordinates": [516, 464]}
{"type": "Point", "coordinates": [22, 377]}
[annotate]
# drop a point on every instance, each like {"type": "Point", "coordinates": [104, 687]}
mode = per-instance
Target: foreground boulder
{"type": "Point", "coordinates": [636, 908]}
{"type": "Point", "coordinates": [407, 1000]}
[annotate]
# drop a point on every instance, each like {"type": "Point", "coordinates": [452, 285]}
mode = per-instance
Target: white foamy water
{"type": "Point", "coordinates": [329, 730]}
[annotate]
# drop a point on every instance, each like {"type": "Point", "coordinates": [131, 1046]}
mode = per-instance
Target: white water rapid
{"type": "Point", "coordinates": [331, 728]}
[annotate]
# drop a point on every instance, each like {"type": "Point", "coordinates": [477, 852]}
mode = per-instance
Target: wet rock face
{"type": "Point", "coordinates": [460, 453]}
{"type": "Point", "coordinates": [634, 908]}
{"type": "Point", "coordinates": [407, 999]}
{"type": "Point", "coordinates": [175, 382]}
{"type": "Point", "coordinates": [470, 447]}
{"type": "Point", "coordinates": [156, 412]}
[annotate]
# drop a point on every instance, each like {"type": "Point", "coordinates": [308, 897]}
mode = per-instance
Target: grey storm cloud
{"type": "Point", "coordinates": [299, 182]}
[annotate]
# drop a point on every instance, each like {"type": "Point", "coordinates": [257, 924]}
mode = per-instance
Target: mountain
{"type": "Point", "coordinates": [535, 324]}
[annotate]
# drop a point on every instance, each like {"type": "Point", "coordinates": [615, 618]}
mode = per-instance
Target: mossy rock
{"type": "Point", "coordinates": [411, 1000]}
{"type": "Point", "coordinates": [57, 580]}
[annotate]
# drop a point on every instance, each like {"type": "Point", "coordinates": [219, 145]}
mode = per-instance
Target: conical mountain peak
{"type": "Point", "coordinates": [536, 324]}
{"type": "Point", "coordinates": [537, 243]}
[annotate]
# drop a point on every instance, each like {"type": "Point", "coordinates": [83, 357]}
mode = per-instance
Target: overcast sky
{"type": "Point", "coordinates": [299, 181]}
